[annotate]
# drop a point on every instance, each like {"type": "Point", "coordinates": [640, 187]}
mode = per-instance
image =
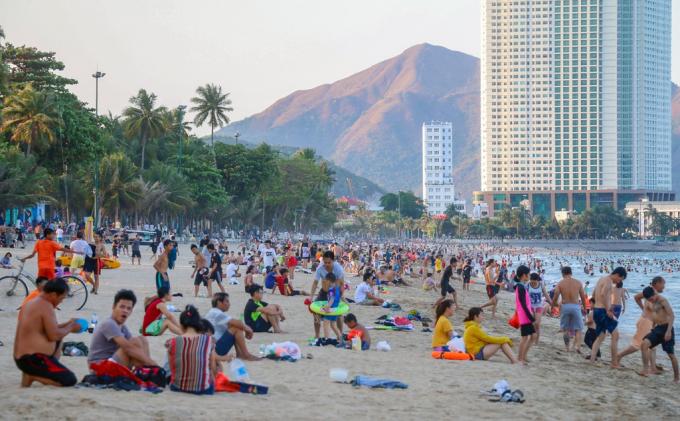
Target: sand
{"type": "Point", "coordinates": [557, 385]}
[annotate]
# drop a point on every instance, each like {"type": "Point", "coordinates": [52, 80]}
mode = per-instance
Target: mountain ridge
{"type": "Point", "coordinates": [370, 122]}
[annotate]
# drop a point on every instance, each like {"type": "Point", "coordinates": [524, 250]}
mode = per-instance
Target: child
{"type": "Point", "coordinates": [291, 263]}
{"type": "Point", "coordinates": [467, 274]}
{"type": "Point", "coordinates": [357, 329]}
{"type": "Point", "coordinates": [6, 261]}
{"type": "Point", "coordinates": [334, 297]}
{"type": "Point", "coordinates": [443, 329]}
{"type": "Point", "coordinates": [428, 283]}
{"type": "Point", "coordinates": [59, 270]}
{"type": "Point", "coordinates": [591, 334]}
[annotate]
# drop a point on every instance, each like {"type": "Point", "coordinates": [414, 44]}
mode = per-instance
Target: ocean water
{"type": "Point", "coordinates": [637, 279]}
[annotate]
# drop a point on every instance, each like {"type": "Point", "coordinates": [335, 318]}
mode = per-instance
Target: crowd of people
{"type": "Point", "coordinates": [203, 343]}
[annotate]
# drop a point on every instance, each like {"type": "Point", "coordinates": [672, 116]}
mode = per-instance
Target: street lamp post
{"type": "Point", "coordinates": [180, 118]}
{"type": "Point", "coordinates": [97, 75]}
{"type": "Point", "coordinates": [180, 135]}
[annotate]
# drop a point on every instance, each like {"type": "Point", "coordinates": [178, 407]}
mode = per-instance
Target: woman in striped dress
{"type": "Point", "coordinates": [191, 357]}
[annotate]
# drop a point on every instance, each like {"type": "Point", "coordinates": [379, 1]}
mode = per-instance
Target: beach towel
{"type": "Point", "coordinates": [223, 384]}
{"type": "Point", "coordinates": [375, 383]}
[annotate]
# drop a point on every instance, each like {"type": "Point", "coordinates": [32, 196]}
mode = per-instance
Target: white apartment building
{"type": "Point", "coordinates": [438, 187]}
{"type": "Point", "coordinates": [575, 97]}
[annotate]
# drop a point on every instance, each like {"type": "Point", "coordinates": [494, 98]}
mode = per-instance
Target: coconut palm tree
{"type": "Point", "coordinates": [211, 105]}
{"type": "Point", "coordinates": [143, 120]}
{"type": "Point", "coordinates": [30, 116]}
{"type": "Point", "coordinates": [22, 180]}
{"type": "Point", "coordinates": [120, 186]}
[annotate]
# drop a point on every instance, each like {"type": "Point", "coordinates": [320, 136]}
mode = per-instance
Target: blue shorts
{"type": "Point", "coordinates": [224, 343]}
{"type": "Point", "coordinates": [480, 355]}
{"type": "Point", "coordinates": [330, 318]}
{"type": "Point", "coordinates": [616, 309]}
{"type": "Point", "coordinates": [603, 323]}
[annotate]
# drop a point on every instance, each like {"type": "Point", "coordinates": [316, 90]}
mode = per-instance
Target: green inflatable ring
{"type": "Point", "coordinates": [317, 307]}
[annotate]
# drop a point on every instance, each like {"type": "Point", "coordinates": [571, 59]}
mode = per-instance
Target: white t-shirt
{"type": "Point", "coordinates": [81, 246]}
{"type": "Point", "coordinates": [363, 289]}
{"type": "Point", "coordinates": [219, 320]}
{"type": "Point", "coordinates": [268, 256]}
{"type": "Point", "coordinates": [231, 270]}
{"type": "Point", "coordinates": [60, 232]}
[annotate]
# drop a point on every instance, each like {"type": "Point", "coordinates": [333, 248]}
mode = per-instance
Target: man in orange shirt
{"type": "Point", "coordinates": [47, 250]}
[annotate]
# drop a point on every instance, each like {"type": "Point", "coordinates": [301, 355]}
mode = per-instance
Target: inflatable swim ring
{"type": "Point", "coordinates": [462, 356]}
{"type": "Point", "coordinates": [317, 307]}
{"type": "Point", "coordinates": [110, 263]}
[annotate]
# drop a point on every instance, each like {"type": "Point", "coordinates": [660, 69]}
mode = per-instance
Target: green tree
{"type": "Point", "coordinates": [143, 120]}
{"type": "Point", "coordinates": [30, 116]}
{"type": "Point", "coordinates": [28, 65]}
{"type": "Point", "coordinates": [120, 186]}
{"type": "Point", "coordinates": [405, 203]}
{"type": "Point", "coordinates": [211, 105]}
{"type": "Point", "coordinates": [22, 180]}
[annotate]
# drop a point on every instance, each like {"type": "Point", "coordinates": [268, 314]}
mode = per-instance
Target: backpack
{"type": "Point", "coordinates": [152, 374]}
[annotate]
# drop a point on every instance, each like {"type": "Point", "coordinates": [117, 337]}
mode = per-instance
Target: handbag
{"type": "Point", "coordinates": [514, 320]}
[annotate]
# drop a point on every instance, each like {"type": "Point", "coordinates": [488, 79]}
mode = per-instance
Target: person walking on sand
{"type": "Point", "coordinates": [161, 266]}
{"type": "Point", "coordinates": [524, 312]}
{"type": "Point", "coordinates": [491, 278]}
{"type": "Point", "coordinates": [662, 334]}
{"type": "Point", "coordinates": [603, 314]}
{"type": "Point", "coordinates": [571, 310]}
{"type": "Point", "coordinates": [645, 323]}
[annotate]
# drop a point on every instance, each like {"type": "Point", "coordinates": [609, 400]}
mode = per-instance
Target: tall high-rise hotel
{"type": "Point", "coordinates": [575, 102]}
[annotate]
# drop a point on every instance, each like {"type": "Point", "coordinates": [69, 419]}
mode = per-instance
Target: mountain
{"type": "Point", "coordinates": [362, 188]}
{"type": "Point", "coordinates": [370, 122]}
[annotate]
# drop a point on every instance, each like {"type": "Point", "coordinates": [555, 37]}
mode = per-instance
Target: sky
{"type": "Point", "coordinates": [258, 50]}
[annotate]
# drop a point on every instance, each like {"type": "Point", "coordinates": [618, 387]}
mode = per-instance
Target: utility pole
{"type": "Point", "coordinates": [97, 75]}
{"type": "Point", "coordinates": [236, 136]}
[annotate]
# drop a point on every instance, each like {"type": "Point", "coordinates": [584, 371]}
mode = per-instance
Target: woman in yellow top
{"type": "Point", "coordinates": [443, 329]}
{"type": "Point", "coordinates": [479, 343]}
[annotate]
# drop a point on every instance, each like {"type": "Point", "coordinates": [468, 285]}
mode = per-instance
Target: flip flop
{"type": "Point", "coordinates": [517, 396]}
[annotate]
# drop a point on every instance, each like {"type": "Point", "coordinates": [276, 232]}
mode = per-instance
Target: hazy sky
{"type": "Point", "coordinates": [259, 50]}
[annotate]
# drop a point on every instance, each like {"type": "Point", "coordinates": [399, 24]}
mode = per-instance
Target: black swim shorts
{"type": "Point", "coordinates": [201, 277]}
{"type": "Point", "coordinates": [527, 329]}
{"type": "Point", "coordinates": [657, 336]}
{"type": "Point", "coordinates": [46, 367]}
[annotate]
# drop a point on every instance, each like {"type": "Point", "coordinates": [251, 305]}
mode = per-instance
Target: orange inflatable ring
{"type": "Point", "coordinates": [450, 355]}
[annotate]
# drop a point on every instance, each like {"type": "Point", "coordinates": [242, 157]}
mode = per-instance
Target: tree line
{"type": "Point", "coordinates": [145, 165]}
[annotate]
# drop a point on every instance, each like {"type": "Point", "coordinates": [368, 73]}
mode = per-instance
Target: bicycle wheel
{"type": "Point", "coordinates": [77, 294]}
{"type": "Point", "coordinates": [13, 291]}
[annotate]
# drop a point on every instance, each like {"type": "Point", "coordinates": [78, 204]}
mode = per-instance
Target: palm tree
{"type": "Point", "coordinates": [211, 105]}
{"type": "Point", "coordinates": [305, 153]}
{"type": "Point", "coordinates": [22, 180]}
{"type": "Point", "coordinates": [30, 116]}
{"type": "Point", "coordinates": [144, 120]}
{"type": "Point", "coordinates": [120, 184]}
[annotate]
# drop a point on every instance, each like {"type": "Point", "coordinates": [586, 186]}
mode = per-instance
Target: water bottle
{"type": "Point", "coordinates": [356, 344]}
{"type": "Point", "coordinates": [93, 323]}
{"type": "Point", "coordinates": [238, 370]}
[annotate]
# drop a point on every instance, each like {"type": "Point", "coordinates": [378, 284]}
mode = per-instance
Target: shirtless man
{"type": "Point", "coordinates": [662, 333]}
{"type": "Point", "coordinates": [161, 266]}
{"type": "Point", "coordinates": [603, 314]}
{"type": "Point", "coordinates": [645, 322]}
{"type": "Point", "coordinates": [571, 311]}
{"type": "Point", "coordinates": [37, 344]}
{"type": "Point", "coordinates": [200, 273]}
{"type": "Point", "coordinates": [492, 285]}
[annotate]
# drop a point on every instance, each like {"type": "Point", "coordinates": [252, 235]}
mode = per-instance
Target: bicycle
{"type": "Point", "coordinates": [14, 289]}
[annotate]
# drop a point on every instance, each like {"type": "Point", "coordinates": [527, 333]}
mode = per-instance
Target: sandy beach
{"type": "Point", "coordinates": [557, 385]}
